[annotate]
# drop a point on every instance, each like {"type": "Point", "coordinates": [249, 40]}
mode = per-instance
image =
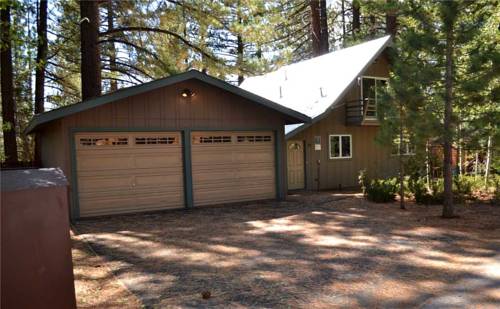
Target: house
{"type": "Point", "coordinates": [339, 92]}
{"type": "Point", "coordinates": [182, 141]}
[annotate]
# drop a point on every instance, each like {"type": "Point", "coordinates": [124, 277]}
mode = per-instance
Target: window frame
{"type": "Point", "coordinates": [340, 146]}
{"type": "Point", "coordinates": [408, 145]}
{"type": "Point", "coordinates": [386, 79]}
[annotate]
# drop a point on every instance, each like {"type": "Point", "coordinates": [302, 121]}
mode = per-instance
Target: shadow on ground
{"type": "Point", "coordinates": [314, 250]}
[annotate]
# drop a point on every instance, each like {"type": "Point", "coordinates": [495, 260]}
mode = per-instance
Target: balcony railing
{"type": "Point", "coordinates": [361, 112]}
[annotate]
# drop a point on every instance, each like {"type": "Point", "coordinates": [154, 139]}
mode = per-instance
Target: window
{"type": "Point", "coordinates": [253, 138]}
{"type": "Point", "coordinates": [340, 146]}
{"type": "Point", "coordinates": [103, 141]}
{"type": "Point", "coordinates": [156, 140]}
{"type": "Point", "coordinates": [408, 148]}
{"type": "Point", "coordinates": [212, 139]}
{"type": "Point", "coordinates": [370, 95]}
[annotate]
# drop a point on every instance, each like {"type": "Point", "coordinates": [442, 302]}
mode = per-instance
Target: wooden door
{"type": "Point", "coordinates": [295, 165]}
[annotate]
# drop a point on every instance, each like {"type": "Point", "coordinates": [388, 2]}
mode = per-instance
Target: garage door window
{"type": "Point", "coordinates": [254, 138]}
{"type": "Point", "coordinates": [156, 140]}
{"type": "Point", "coordinates": [215, 139]}
{"type": "Point", "coordinates": [103, 141]}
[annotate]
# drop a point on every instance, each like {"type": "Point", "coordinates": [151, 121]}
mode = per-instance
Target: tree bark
{"type": "Point", "coordinates": [488, 160]}
{"type": "Point", "coordinates": [113, 84]}
{"type": "Point", "coordinates": [476, 164]}
{"type": "Point", "coordinates": [6, 75]}
{"type": "Point", "coordinates": [391, 24]}
{"type": "Point", "coordinates": [401, 162]}
{"type": "Point", "coordinates": [356, 17]}
{"type": "Point", "coordinates": [323, 21]}
{"type": "Point", "coordinates": [90, 66]}
{"type": "Point", "coordinates": [239, 60]}
{"type": "Point", "coordinates": [448, 207]}
{"type": "Point", "coordinates": [315, 28]}
{"type": "Point", "coordinates": [343, 21]}
{"type": "Point", "coordinates": [41, 63]}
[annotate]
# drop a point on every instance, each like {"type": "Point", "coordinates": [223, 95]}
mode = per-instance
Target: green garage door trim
{"type": "Point", "coordinates": [186, 151]}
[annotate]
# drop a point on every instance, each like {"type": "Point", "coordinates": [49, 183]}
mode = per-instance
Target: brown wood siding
{"type": "Point", "coordinates": [165, 109]}
{"type": "Point", "coordinates": [366, 152]}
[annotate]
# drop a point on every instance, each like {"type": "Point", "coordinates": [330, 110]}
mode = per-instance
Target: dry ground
{"type": "Point", "coordinates": [314, 251]}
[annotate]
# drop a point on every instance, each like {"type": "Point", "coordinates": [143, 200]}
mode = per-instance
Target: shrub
{"type": "Point", "coordinates": [465, 186]}
{"type": "Point", "coordinates": [418, 187]}
{"type": "Point", "coordinates": [382, 190]}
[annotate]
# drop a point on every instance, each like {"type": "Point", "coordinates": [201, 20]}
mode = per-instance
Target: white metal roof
{"type": "Point", "coordinates": [313, 86]}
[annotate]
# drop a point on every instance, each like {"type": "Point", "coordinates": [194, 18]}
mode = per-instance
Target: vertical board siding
{"type": "Point", "coordinates": [164, 109]}
{"type": "Point", "coordinates": [366, 153]}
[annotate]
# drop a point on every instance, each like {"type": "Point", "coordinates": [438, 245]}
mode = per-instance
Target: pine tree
{"type": "Point", "coordinates": [431, 54]}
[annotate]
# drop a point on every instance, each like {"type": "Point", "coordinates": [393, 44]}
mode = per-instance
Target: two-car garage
{"type": "Point", "coordinates": [121, 172]}
{"type": "Point", "coordinates": [183, 141]}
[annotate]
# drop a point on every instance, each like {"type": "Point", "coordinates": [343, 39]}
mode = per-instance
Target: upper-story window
{"type": "Point", "coordinates": [370, 94]}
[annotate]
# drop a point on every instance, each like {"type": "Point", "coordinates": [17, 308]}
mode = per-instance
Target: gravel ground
{"type": "Point", "coordinates": [323, 250]}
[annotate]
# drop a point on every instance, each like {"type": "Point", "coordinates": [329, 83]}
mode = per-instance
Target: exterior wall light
{"type": "Point", "coordinates": [187, 93]}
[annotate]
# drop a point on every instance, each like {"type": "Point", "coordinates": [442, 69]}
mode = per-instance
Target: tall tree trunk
{"type": "Point", "coordinates": [448, 207]}
{"type": "Point", "coordinates": [6, 75]}
{"type": "Point", "coordinates": [342, 3]}
{"type": "Point", "coordinates": [91, 65]}
{"type": "Point", "coordinates": [315, 27]}
{"type": "Point", "coordinates": [356, 17]}
{"type": "Point", "coordinates": [476, 164]}
{"type": "Point", "coordinates": [323, 21]}
{"type": "Point", "coordinates": [391, 24]}
{"type": "Point", "coordinates": [41, 63]}
{"type": "Point", "coordinates": [460, 151]}
{"type": "Point", "coordinates": [427, 165]}
{"type": "Point", "coordinates": [113, 84]}
{"type": "Point", "coordinates": [239, 60]}
{"type": "Point", "coordinates": [488, 162]}
{"type": "Point", "coordinates": [401, 162]}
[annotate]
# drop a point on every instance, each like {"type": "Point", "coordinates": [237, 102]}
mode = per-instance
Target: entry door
{"type": "Point", "coordinates": [121, 172]}
{"type": "Point", "coordinates": [232, 167]}
{"type": "Point", "coordinates": [295, 165]}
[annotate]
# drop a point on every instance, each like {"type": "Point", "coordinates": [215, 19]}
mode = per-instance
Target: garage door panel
{"type": "Point", "coordinates": [233, 166]}
{"type": "Point", "coordinates": [233, 176]}
{"type": "Point", "coordinates": [104, 162]}
{"type": "Point", "coordinates": [129, 172]}
{"type": "Point", "coordinates": [158, 161]}
{"type": "Point", "coordinates": [132, 193]}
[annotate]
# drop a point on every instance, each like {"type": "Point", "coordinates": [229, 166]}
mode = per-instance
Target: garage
{"type": "Point", "coordinates": [128, 172]}
{"type": "Point", "coordinates": [233, 167]}
{"type": "Point", "coordinates": [184, 141]}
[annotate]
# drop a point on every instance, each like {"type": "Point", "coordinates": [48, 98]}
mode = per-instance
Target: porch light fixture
{"type": "Point", "coordinates": [187, 93]}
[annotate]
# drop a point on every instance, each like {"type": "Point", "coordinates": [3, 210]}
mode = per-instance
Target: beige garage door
{"type": "Point", "coordinates": [128, 172]}
{"type": "Point", "coordinates": [232, 167]}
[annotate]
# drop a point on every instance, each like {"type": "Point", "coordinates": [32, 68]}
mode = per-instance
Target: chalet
{"type": "Point", "coordinates": [339, 91]}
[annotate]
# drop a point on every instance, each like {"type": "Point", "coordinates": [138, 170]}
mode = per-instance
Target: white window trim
{"type": "Point", "coordinates": [361, 91]}
{"type": "Point", "coordinates": [406, 153]}
{"type": "Point", "coordinates": [340, 146]}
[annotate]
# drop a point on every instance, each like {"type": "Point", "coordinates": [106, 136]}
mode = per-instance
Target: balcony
{"type": "Point", "coordinates": [361, 112]}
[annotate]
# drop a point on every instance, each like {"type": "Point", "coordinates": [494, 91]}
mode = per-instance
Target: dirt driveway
{"type": "Point", "coordinates": [314, 251]}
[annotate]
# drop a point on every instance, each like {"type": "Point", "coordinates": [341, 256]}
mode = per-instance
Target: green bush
{"type": "Point", "coordinates": [418, 188]}
{"type": "Point", "coordinates": [464, 187]}
{"type": "Point", "coordinates": [422, 195]}
{"type": "Point", "coordinates": [382, 190]}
